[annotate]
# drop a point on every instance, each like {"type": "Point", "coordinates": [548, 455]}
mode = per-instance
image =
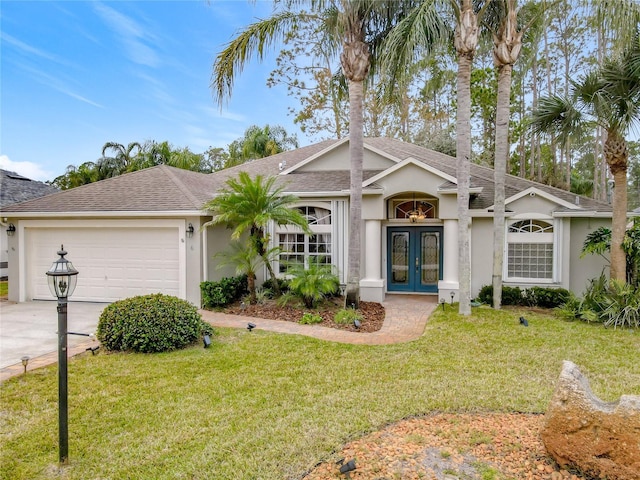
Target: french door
{"type": "Point", "coordinates": [414, 259]}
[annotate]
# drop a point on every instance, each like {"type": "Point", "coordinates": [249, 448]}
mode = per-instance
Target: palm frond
{"type": "Point", "coordinates": [253, 41]}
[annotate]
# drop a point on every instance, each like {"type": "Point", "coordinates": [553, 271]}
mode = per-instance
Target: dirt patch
{"type": "Point", "coordinates": [449, 447]}
{"type": "Point", "coordinates": [372, 313]}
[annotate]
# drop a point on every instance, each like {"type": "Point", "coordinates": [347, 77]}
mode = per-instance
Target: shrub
{"type": "Point", "coordinates": [510, 295]}
{"type": "Point", "coordinates": [150, 323]}
{"type": "Point", "coordinates": [313, 283]}
{"type": "Point", "coordinates": [346, 316]}
{"type": "Point", "coordinates": [310, 318]}
{"type": "Point", "coordinates": [222, 293]}
{"type": "Point", "coordinates": [268, 286]}
{"type": "Point", "coordinates": [545, 297]}
{"type": "Point", "coordinates": [612, 303]}
{"type": "Point", "coordinates": [622, 305]}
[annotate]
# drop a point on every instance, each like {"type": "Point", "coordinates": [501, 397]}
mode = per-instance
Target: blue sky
{"type": "Point", "coordinates": [77, 74]}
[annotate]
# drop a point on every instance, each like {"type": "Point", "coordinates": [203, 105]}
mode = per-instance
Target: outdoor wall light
{"type": "Point", "coordinates": [11, 230]}
{"type": "Point", "coordinates": [207, 341]}
{"type": "Point", "coordinates": [251, 326]}
{"type": "Point", "coordinates": [190, 230]}
{"type": "Point", "coordinates": [62, 278]}
{"type": "Point", "coordinates": [25, 362]}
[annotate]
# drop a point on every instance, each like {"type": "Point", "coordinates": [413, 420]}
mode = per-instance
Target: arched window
{"type": "Point", "coordinates": [420, 208]}
{"type": "Point", "coordinates": [530, 250]}
{"type": "Point", "coordinates": [298, 248]}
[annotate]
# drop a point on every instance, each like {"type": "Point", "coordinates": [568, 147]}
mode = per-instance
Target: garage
{"type": "Point", "coordinates": [116, 260]}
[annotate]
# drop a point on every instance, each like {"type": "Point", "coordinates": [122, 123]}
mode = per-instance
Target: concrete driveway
{"type": "Point", "coordinates": [30, 328]}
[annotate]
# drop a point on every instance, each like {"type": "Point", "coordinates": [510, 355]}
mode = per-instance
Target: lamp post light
{"type": "Point", "coordinates": [62, 282]}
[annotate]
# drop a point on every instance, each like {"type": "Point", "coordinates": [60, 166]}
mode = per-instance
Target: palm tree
{"type": "Point", "coordinates": [609, 96]}
{"type": "Point", "coordinates": [421, 28]}
{"type": "Point", "coordinates": [269, 140]}
{"type": "Point", "coordinates": [124, 158]}
{"type": "Point", "coordinates": [502, 20]}
{"type": "Point", "coordinates": [250, 204]}
{"type": "Point", "coordinates": [352, 26]}
{"type": "Point", "coordinates": [247, 262]}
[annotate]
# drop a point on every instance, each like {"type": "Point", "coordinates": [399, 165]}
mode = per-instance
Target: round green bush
{"type": "Point", "coordinates": [150, 323]}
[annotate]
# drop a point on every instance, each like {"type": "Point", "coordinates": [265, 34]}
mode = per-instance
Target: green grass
{"type": "Point", "coordinates": [4, 288]}
{"type": "Point", "coordinates": [268, 406]}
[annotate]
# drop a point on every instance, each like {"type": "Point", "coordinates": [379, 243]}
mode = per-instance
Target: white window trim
{"type": "Point", "coordinates": [554, 238]}
{"type": "Point", "coordinates": [318, 229]}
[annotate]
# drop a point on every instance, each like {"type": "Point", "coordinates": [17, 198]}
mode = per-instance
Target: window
{"type": "Point", "coordinates": [298, 248]}
{"type": "Point", "coordinates": [530, 250]}
{"type": "Point", "coordinates": [403, 208]}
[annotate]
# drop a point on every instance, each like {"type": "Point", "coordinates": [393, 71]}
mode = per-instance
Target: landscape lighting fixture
{"type": "Point", "coordinates": [357, 323]}
{"type": "Point", "coordinates": [348, 467]}
{"type": "Point", "coordinates": [207, 341]}
{"type": "Point", "coordinates": [25, 362]}
{"type": "Point", "coordinates": [452, 295]}
{"type": "Point", "coordinates": [442, 302]}
{"type": "Point", "coordinates": [251, 326]}
{"type": "Point", "coordinates": [11, 230]}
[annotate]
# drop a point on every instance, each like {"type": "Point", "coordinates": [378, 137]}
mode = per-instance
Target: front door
{"type": "Point", "coordinates": [414, 259]}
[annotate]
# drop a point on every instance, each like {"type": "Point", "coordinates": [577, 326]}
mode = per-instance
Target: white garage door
{"type": "Point", "coordinates": [114, 263]}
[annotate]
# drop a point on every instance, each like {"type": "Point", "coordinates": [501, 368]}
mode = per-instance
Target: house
{"type": "Point", "coordinates": [143, 232]}
{"type": "Point", "coordinates": [15, 188]}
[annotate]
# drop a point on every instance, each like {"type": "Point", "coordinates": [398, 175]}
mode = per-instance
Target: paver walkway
{"type": "Point", "coordinates": [405, 319]}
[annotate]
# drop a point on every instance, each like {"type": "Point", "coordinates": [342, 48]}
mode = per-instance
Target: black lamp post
{"type": "Point", "coordinates": [62, 282]}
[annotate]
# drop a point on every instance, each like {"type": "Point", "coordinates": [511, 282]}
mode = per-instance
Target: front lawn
{"type": "Point", "coordinates": [268, 406]}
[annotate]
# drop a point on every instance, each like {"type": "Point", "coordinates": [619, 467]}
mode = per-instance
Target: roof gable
{"type": "Point", "coordinates": [405, 164]}
{"type": "Point", "coordinates": [336, 157]}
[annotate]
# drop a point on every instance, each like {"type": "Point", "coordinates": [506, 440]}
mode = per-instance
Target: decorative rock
{"type": "Point", "coordinates": [598, 438]}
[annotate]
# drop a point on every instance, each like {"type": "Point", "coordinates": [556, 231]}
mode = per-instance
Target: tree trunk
{"type": "Point", "coordinates": [466, 40]}
{"type": "Point", "coordinates": [355, 65]}
{"type": "Point", "coordinates": [616, 153]}
{"type": "Point", "coordinates": [500, 167]}
{"type": "Point", "coordinates": [507, 46]}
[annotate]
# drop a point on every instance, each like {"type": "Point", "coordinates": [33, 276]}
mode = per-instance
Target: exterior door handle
{"type": "Point", "coordinates": [417, 264]}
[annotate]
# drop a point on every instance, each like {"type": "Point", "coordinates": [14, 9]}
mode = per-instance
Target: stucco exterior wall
{"type": "Point", "coordinates": [532, 204]}
{"type": "Point", "coordinates": [338, 159]}
{"type": "Point", "coordinates": [581, 270]}
{"type": "Point", "coordinates": [481, 254]}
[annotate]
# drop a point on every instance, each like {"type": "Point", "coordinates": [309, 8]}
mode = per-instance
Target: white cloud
{"type": "Point", "coordinates": [131, 34]}
{"type": "Point", "coordinates": [26, 169]}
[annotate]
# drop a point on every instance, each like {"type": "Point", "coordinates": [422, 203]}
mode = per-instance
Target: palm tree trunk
{"type": "Point", "coordinates": [500, 168]}
{"type": "Point", "coordinates": [463, 132]}
{"type": "Point", "coordinates": [465, 40]}
{"type": "Point", "coordinates": [616, 153]}
{"type": "Point", "coordinates": [356, 154]}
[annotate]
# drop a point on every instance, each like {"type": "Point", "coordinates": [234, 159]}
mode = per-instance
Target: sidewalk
{"type": "Point", "coordinates": [405, 319]}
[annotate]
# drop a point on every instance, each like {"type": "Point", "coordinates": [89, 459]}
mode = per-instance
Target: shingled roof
{"type": "Point", "coordinates": [169, 189]}
{"type": "Point", "coordinates": [15, 188]}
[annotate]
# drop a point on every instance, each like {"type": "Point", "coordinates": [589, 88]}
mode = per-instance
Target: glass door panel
{"type": "Point", "coordinates": [429, 258]}
{"type": "Point", "coordinates": [400, 258]}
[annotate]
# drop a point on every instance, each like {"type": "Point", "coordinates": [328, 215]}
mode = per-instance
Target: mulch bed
{"type": "Point", "coordinates": [372, 313]}
{"type": "Point", "coordinates": [449, 447]}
